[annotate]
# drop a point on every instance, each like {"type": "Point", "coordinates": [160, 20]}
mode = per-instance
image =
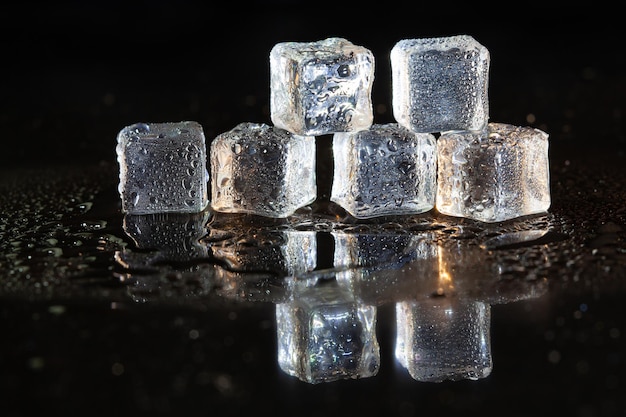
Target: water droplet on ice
{"type": "Point", "coordinates": [140, 128]}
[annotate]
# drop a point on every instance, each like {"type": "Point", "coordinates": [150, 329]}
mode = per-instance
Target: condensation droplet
{"type": "Point", "coordinates": [140, 128]}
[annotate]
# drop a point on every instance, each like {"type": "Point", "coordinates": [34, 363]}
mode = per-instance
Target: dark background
{"type": "Point", "coordinates": [75, 73]}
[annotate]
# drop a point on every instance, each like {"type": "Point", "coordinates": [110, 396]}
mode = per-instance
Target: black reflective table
{"type": "Point", "coordinates": [103, 313]}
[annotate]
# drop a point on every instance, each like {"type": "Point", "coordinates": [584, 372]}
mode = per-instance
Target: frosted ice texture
{"type": "Point", "coordinates": [441, 339]}
{"type": "Point", "coordinates": [262, 170]}
{"type": "Point", "coordinates": [325, 335]}
{"type": "Point", "coordinates": [321, 87]}
{"type": "Point", "coordinates": [499, 174]}
{"type": "Point", "coordinates": [440, 84]}
{"type": "Point", "coordinates": [384, 170]}
{"type": "Point", "coordinates": [162, 168]}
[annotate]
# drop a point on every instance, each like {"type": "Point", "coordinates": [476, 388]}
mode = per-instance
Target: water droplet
{"type": "Point", "coordinates": [343, 71]}
{"type": "Point", "coordinates": [53, 251]}
{"type": "Point", "coordinates": [56, 309]}
{"type": "Point", "coordinates": [90, 225]}
{"type": "Point", "coordinates": [84, 207]}
{"type": "Point", "coordinates": [140, 128]}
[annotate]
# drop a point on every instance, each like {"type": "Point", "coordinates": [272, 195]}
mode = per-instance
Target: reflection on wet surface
{"type": "Point", "coordinates": [326, 301]}
{"type": "Point", "coordinates": [326, 318]}
{"type": "Point", "coordinates": [325, 274]}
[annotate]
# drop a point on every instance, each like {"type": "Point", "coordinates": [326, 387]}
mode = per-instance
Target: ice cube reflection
{"type": "Point", "coordinates": [325, 333]}
{"type": "Point", "coordinates": [251, 265]}
{"type": "Point", "coordinates": [443, 291]}
{"type": "Point", "coordinates": [444, 338]}
{"type": "Point", "coordinates": [167, 236]}
{"type": "Point", "coordinates": [168, 256]}
{"type": "Point", "coordinates": [440, 284]}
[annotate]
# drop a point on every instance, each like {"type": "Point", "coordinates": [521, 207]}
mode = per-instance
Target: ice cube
{"type": "Point", "coordinates": [162, 168]}
{"type": "Point", "coordinates": [496, 175]}
{"type": "Point", "coordinates": [384, 170]}
{"type": "Point", "coordinates": [440, 84]}
{"type": "Point", "coordinates": [321, 87]}
{"type": "Point", "coordinates": [261, 169]}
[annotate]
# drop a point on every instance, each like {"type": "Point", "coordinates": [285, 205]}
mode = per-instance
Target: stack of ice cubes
{"type": "Point", "coordinates": [324, 88]}
{"type": "Point", "coordinates": [488, 172]}
{"type": "Point", "coordinates": [440, 153]}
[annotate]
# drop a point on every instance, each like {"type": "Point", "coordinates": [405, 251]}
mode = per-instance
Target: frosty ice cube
{"type": "Point", "coordinates": [496, 175]}
{"type": "Point", "coordinates": [263, 170]}
{"type": "Point", "coordinates": [440, 84]}
{"type": "Point", "coordinates": [321, 87]}
{"type": "Point", "coordinates": [162, 168]}
{"type": "Point", "coordinates": [444, 339]}
{"type": "Point", "coordinates": [384, 170]}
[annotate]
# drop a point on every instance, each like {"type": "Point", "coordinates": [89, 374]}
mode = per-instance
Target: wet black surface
{"type": "Point", "coordinates": [104, 314]}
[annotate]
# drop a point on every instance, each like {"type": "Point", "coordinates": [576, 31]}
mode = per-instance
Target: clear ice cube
{"type": "Point", "coordinates": [384, 170]}
{"type": "Point", "coordinates": [162, 168]}
{"type": "Point", "coordinates": [440, 84]}
{"type": "Point", "coordinates": [321, 87]}
{"type": "Point", "coordinates": [496, 175]}
{"type": "Point", "coordinates": [263, 170]}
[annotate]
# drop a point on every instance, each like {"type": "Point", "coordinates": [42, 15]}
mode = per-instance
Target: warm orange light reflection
{"type": "Point", "coordinates": [445, 280]}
